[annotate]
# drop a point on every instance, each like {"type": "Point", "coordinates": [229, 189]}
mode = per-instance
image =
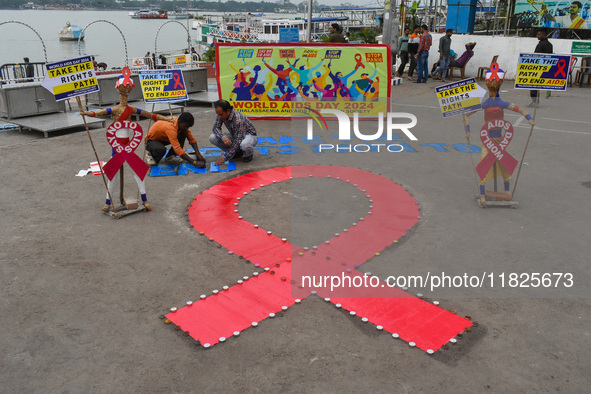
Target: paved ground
{"type": "Point", "coordinates": [80, 293]}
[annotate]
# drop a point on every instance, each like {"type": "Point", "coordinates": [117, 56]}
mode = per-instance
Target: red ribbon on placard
{"type": "Point", "coordinates": [125, 151]}
{"type": "Point", "coordinates": [561, 66]}
{"type": "Point", "coordinates": [177, 81]}
{"type": "Point", "coordinates": [496, 151]}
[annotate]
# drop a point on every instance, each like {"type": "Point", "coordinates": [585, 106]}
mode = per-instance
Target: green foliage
{"type": "Point", "coordinates": [209, 56]}
{"type": "Point", "coordinates": [412, 20]}
{"type": "Point", "coordinates": [368, 36]}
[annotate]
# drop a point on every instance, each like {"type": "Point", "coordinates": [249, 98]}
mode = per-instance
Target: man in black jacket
{"type": "Point", "coordinates": [544, 46]}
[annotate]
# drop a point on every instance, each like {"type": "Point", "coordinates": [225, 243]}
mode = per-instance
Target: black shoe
{"type": "Point", "coordinates": [238, 154]}
{"type": "Point", "coordinates": [246, 159]}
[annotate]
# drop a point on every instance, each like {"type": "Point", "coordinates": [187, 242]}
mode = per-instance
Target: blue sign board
{"type": "Point", "coordinates": [289, 34]}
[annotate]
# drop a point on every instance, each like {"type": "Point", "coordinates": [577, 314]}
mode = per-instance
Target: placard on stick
{"type": "Point", "coordinates": [459, 97]}
{"type": "Point", "coordinates": [540, 71]}
{"type": "Point", "coordinates": [70, 78]}
{"type": "Point", "coordinates": [163, 86]}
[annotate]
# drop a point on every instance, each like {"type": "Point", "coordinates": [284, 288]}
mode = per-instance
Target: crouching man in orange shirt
{"type": "Point", "coordinates": [164, 133]}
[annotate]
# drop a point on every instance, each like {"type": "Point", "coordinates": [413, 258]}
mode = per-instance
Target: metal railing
{"type": "Point", "coordinates": [12, 73]}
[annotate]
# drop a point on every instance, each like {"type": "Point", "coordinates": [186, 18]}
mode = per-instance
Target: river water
{"type": "Point", "coordinates": [102, 40]}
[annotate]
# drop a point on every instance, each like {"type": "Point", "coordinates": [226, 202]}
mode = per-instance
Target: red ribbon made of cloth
{"type": "Point", "coordinates": [494, 71]}
{"type": "Point", "coordinates": [393, 213]}
{"type": "Point", "coordinates": [125, 153]}
{"type": "Point", "coordinates": [496, 151]}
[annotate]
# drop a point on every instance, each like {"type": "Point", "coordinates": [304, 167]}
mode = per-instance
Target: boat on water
{"type": "Point", "coordinates": [179, 15]}
{"type": "Point", "coordinates": [71, 33]}
{"type": "Point", "coordinates": [253, 29]}
{"type": "Point", "coordinates": [149, 14]}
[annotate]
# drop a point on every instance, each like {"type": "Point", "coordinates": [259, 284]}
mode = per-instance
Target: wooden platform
{"type": "Point", "coordinates": [53, 122]}
{"type": "Point", "coordinates": [496, 199]}
{"type": "Point", "coordinates": [122, 211]}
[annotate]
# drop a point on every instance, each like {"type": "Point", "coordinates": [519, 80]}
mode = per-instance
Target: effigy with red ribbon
{"type": "Point", "coordinates": [124, 137]}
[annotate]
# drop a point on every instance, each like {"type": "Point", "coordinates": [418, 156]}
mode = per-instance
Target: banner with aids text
{"type": "Point", "coordinates": [262, 80]}
{"type": "Point", "coordinates": [540, 71]}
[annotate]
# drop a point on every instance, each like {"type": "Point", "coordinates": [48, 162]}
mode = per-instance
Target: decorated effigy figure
{"type": "Point", "coordinates": [496, 134]}
{"type": "Point", "coordinates": [124, 137]}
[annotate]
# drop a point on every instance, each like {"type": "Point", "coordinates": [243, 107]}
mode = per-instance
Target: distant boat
{"type": "Point", "coordinates": [149, 14]}
{"type": "Point", "coordinates": [71, 33]}
{"type": "Point", "coordinates": [179, 14]}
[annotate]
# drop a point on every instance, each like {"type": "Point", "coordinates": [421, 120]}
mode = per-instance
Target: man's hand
{"type": "Point", "coordinates": [227, 141]}
{"type": "Point", "coordinates": [200, 157]}
{"type": "Point", "coordinates": [531, 122]}
{"type": "Point", "coordinates": [220, 161]}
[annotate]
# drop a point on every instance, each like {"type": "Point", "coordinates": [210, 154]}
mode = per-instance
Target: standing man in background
{"type": "Point", "coordinates": [336, 34]}
{"type": "Point", "coordinates": [544, 46]}
{"type": "Point", "coordinates": [413, 48]}
{"type": "Point", "coordinates": [402, 52]}
{"type": "Point", "coordinates": [423, 55]}
{"type": "Point", "coordinates": [444, 55]}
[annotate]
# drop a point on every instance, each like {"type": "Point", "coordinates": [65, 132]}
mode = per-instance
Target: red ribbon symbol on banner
{"type": "Point", "coordinates": [496, 151]}
{"type": "Point", "coordinates": [125, 153]}
{"type": "Point", "coordinates": [393, 212]}
{"type": "Point", "coordinates": [177, 81]}
{"type": "Point", "coordinates": [561, 66]}
{"type": "Point", "coordinates": [358, 59]}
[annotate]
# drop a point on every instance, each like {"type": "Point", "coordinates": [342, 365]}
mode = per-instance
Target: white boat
{"type": "Point", "coordinates": [179, 15]}
{"type": "Point", "coordinates": [251, 28]}
{"type": "Point", "coordinates": [71, 33]}
{"type": "Point", "coordinates": [149, 14]}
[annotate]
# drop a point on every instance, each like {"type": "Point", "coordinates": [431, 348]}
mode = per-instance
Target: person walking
{"type": "Point", "coordinates": [413, 47]}
{"type": "Point", "coordinates": [423, 55]}
{"type": "Point", "coordinates": [444, 55]}
{"type": "Point", "coordinates": [403, 51]}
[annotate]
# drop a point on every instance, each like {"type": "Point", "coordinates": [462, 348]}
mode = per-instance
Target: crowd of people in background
{"type": "Point", "coordinates": [413, 50]}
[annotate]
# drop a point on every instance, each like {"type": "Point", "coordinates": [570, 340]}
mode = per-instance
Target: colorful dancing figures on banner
{"type": "Point", "coordinates": [121, 113]}
{"type": "Point", "coordinates": [496, 135]}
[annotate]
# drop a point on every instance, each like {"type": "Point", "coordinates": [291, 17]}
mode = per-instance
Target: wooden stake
{"type": "Point", "coordinates": [144, 154]}
{"type": "Point", "coordinates": [473, 166]}
{"type": "Point", "coordinates": [531, 130]}
{"type": "Point", "coordinates": [95, 154]}
{"type": "Point", "coordinates": [121, 185]}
